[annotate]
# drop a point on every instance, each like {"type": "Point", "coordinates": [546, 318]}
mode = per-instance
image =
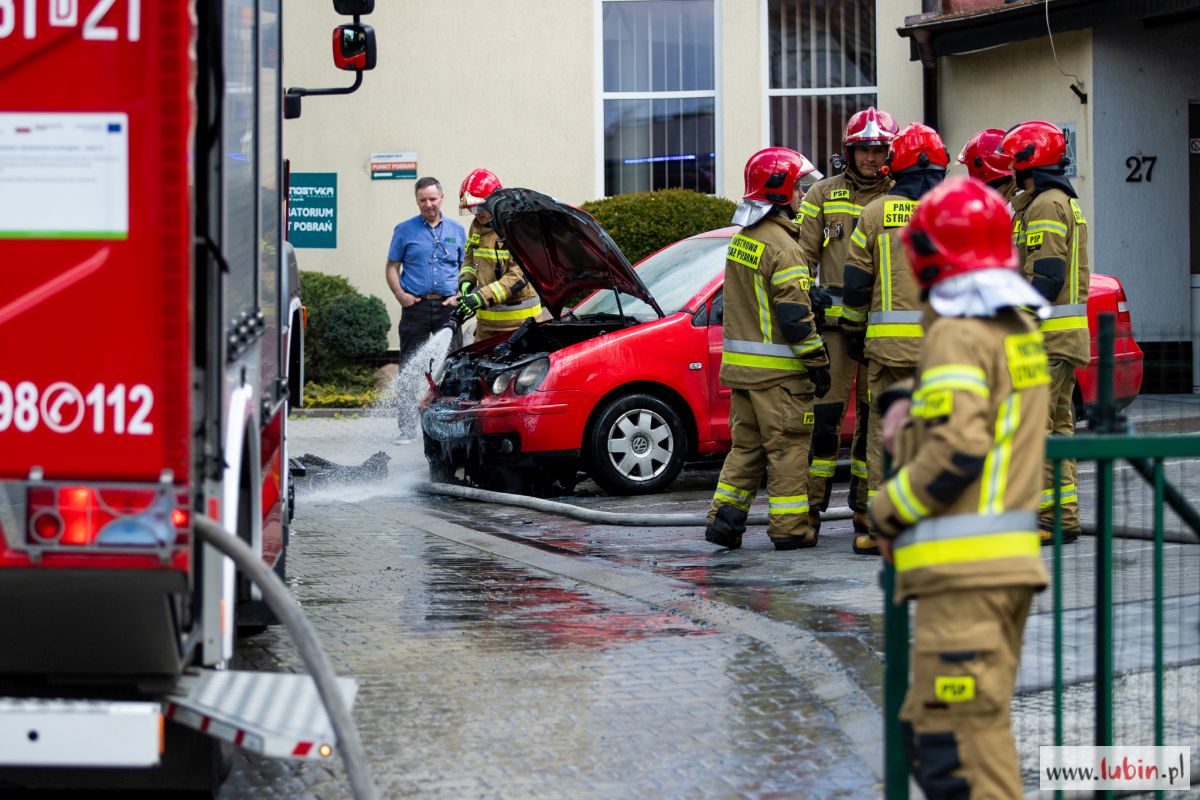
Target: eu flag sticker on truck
{"type": "Point", "coordinates": [64, 176]}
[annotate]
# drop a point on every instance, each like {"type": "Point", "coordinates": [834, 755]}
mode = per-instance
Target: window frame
{"type": "Point", "coordinates": [601, 95]}
{"type": "Point", "coordinates": [764, 7]}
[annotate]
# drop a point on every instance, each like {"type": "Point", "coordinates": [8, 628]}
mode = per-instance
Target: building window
{"type": "Point", "coordinates": [822, 71]}
{"type": "Point", "coordinates": [659, 97]}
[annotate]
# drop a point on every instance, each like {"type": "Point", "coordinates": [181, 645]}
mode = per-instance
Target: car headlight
{"type": "Point", "coordinates": [502, 381]}
{"type": "Point", "coordinates": [531, 375]}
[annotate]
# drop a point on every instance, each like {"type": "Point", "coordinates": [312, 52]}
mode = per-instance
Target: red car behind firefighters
{"type": "Point", "coordinates": [623, 386]}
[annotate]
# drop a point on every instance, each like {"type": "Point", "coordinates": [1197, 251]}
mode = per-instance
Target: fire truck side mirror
{"type": "Point", "coordinates": [353, 7]}
{"type": "Point", "coordinates": [354, 47]}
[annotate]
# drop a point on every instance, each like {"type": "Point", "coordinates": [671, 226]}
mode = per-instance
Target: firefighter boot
{"type": "Point", "coordinates": [814, 520]}
{"type": "Point", "coordinates": [860, 522]}
{"type": "Point", "coordinates": [1047, 537]}
{"type": "Point", "coordinates": [866, 544]}
{"type": "Point", "coordinates": [802, 542]}
{"type": "Point", "coordinates": [727, 527]}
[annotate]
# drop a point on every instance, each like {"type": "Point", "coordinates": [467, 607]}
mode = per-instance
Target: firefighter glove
{"type": "Point", "coordinates": [821, 300]}
{"type": "Point", "coordinates": [821, 380]}
{"type": "Point", "coordinates": [856, 344]}
{"type": "Point", "coordinates": [470, 304]}
{"type": "Point", "coordinates": [466, 287]}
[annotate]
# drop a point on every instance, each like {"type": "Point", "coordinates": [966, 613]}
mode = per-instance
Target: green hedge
{"type": "Point", "coordinates": [344, 327]}
{"type": "Point", "coordinates": [643, 222]}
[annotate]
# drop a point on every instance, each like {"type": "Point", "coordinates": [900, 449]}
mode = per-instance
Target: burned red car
{"type": "Point", "coordinates": [623, 383]}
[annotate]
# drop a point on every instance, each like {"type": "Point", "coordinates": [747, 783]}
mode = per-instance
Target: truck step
{"type": "Point", "coordinates": [278, 715]}
{"type": "Point", "coordinates": [297, 468]}
{"type": "Point", "coordinates": [79, 733]}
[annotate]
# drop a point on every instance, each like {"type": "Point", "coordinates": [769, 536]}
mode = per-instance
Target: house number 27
{"type": "Point", "coordinates": [1135, 164]}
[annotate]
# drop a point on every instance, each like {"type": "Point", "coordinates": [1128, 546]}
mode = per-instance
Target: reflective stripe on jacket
{"type": "Point", "coordinates": [828, 217]}
{"type": "Point", "coordinates": [763, 274]}
{"type": "Point", "coordinates": [1051, 237]}
{"type": "Point", "coordinates": [877, 264]}
{"type": "Point", "coordinates": [963, 504]}
{"type": "Point", "coordinates": [507, 294]}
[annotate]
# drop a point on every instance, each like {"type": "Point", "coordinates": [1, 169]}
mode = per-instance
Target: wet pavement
{"type": "Point", "coordinates": [503, 652]}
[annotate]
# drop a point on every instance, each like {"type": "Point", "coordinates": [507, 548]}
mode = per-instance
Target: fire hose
{"type": "Point", "coordinates": [592, 515]}
{"type": "Point", "coordinates": [320, 668]}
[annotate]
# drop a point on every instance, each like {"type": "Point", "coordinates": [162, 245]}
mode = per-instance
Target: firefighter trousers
{"type": "Point", "coordinates": [1061, 423]}
{"type": "Point", "coordinates": [828, 415]}
{"type": "Point", "coordinates": [771, 429]}
{"type": "Point", "coordinates": [955, 717]}
{"type": "Point", "coordinates": [880, 377]}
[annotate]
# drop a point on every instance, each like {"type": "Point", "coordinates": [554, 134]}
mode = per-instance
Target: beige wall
{"type": "Point", "coordinates": [1014, 83]}
{"type": "Point", "coordinates": [742, 88]}
{"type": "Point", "coordinates": [506, 84]}
{"type": "Point", "coordinates": [899, 77]}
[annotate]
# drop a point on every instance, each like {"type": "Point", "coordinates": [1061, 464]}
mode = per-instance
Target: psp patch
{"type": "Point", "coordinates": [954, 688]}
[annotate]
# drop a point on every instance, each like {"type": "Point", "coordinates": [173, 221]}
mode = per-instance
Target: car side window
{"type": "Point", "coordinates": [716, 314]}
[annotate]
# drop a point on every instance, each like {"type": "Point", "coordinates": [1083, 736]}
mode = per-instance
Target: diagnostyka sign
{"type": "Point", "coordinates": [312, 209]}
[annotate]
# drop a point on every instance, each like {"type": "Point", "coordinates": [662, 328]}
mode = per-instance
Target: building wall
{"type": "Point", "coordinates": [1143, 82]}
{"type": "Point", "coordinates": [899, 76]}
{"type": "Point", "coordinates": [1003, 86]}
{"type": "Point", "coordinates": [506, 84]}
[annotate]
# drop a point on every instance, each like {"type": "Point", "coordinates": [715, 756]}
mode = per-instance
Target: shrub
{"type": "Point", "coordinates": [643, 222]}
{"type": "Point", "coordinates": [355, 326]}
{"type": "Point", "coordinates": [344, 327]}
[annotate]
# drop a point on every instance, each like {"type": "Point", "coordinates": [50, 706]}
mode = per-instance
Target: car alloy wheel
{"type": "Point", "coordinates": [637, 445]}
{"type": "Point", "coordinates": [640, 444]}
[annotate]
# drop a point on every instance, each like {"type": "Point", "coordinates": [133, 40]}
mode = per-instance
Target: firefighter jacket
{"type": "Point", "coordinates": [770, 333]}
{"type": "Point", "coordinates": [508, 296]}
{"type": "Point", "coordinates": [827, 218]}
{"type": "Point", "coordinates": [881, 292]}
{"type": "Point", "coordinates": [1051, 238]}
{"type": "Point", "coordinates": [963, 506]}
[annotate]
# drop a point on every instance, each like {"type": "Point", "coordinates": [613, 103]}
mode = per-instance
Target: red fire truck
{"type": "Point", "coordinates": [150, 340]}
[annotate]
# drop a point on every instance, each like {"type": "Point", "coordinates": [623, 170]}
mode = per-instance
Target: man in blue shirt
{"type": "Point", "coordinates": [422, 272]}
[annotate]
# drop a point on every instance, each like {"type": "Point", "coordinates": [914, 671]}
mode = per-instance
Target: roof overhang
{"type": "Point", "coordinates": [964, 31]}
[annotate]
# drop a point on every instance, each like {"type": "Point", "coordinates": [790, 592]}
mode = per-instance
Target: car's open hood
{"type": "Point", "coordinates": [564, 251]}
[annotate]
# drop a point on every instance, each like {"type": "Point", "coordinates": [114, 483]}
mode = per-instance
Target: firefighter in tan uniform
{"type": "Point", "coordinates": [774, 359]}
{"type": "Point", "coordinates": [828, 215]}
{"type": "Point", "coordinates": [984, 162]}
{"type": "Point", "coordinates": [491, 285]}
{"type": "Point", "coordinates": [881, 295]}
{"type": "Point", "coordinates": [1051, 237]}
{"type": "Point", "coordinates": [959, 518]}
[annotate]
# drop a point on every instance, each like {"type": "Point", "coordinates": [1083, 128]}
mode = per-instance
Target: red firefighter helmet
{"type": "Point", "coordinates": [981, 157]}
{"type": "Point", "coordinates": [1034, 144]}
{"type": "Point", "coordinates": [870, 127]}
{"type": "Point", "coordinates": [917, 146]}
{"type": "Point", "coordinates": [476, 187]}
{"type": "Point", "coordinates": [960, 225]}
{"type": "Point", "coordinates": [772, 173]}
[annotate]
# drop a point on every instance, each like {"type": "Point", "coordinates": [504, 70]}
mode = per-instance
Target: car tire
{"type": "Point", "coordinates": [636, 445]}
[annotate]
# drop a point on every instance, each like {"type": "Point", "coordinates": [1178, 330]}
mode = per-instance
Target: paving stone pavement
{"type": "Point", "coordinates": [481, 677]}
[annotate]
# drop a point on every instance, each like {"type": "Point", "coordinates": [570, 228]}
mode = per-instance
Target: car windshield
{"type": "Point", "coordinates": [673, 276]}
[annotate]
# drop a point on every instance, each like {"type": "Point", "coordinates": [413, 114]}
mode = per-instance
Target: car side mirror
{"type": "Point", "coordinates": [353, 8]}
{"type": "Point", "coordinates": [354, 47]}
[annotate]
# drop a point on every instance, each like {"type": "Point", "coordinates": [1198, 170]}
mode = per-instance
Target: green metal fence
{"type": "Point", "coordinates": [1128, 594]}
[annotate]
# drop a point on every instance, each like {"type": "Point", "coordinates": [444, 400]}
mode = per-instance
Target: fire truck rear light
{"type": "Point", "coordinates": [127, 501]}
{"type": "Point", "coordinates": [79, 516]}
{"type": "Point", "coordinates": [47, 526]}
